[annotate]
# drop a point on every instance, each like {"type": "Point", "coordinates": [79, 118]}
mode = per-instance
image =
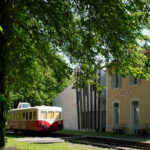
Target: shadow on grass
{"type": "Point", "coordinates": [30, 134]}
{"type": "Point", "coordinates": [80, 133]}
{"type": "Point", "coordinates": [108, 135]}
{"type": "Point", "coordinates": [21, 134]}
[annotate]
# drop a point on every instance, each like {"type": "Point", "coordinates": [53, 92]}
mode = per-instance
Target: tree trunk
{"type": "Point", "coordinates": [3, 100]}
{"type": "Point", "coordinates": [2, 124]}
{"type": "Point", "coordinates": [3, 52]}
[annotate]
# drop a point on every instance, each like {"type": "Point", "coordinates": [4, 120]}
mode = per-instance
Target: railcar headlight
{"type": "Point", "coordinates": [42, 123]}
{"type": "Point", "coordinates": [44, 126]}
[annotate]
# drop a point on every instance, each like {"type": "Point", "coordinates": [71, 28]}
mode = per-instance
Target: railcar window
{"type": "Point", "coordinates": [26, 115]}
{"type": "Point", "coordinates": [34, 115]}
{"type": "Point", "coordinates": [57, 115]}
{"type": "Point", "coordinates": [43, 115]}
{"type": "Point", "coordinates": [50, 115]}
{"type": "Point", "coordinates": [17, 116]}
{"type": "Point", "coordinates": [20, 116]}
{"type": "Point", "coordinates": [14, 116]}
{"type": "Point", "coordinates": [26, 106]}
{"type": "Point", "coordinates": [30, 115]}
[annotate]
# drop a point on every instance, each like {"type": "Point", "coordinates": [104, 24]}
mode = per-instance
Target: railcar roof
{"type": "Point", "coordinates": [40, 108]}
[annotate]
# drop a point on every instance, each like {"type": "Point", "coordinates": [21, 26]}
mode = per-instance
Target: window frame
{"type": "Point", "coordinates": [116, 80]}
{"type": "Point", "coordinates": [41, 116]}
{"type": "Point", "coordinates": [114, 123]}
{"type": "Point", "coordinates": [53, 115]}
{"type": "Point", "coordinates": [27, 115]}
{"type": "Point", "coordinates": [35, 115]}
{"type": "Point", "coordinates": [132, 80]}
{"type": "Point", "coordinates": [30, 115]}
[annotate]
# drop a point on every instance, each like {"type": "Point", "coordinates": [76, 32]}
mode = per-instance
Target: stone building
{"type": "Point", "coordinates": [128, 104]}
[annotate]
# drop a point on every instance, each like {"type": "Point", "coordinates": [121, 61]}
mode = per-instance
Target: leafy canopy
{"type": "Point", "coordinates": [94, 34]}
{"type": "Point", "coordinates": [91, 33]}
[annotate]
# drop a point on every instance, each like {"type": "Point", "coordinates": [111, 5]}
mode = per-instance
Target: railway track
{"type": "Point", "coordinates": [111, 143]}
{"type": "Point", "coordinates": [105, 142]}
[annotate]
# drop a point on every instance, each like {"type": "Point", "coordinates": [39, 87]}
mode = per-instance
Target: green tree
{"type": "Point", "coordinates": [92, 33]}
{"type": "Point", "coordinates": [42, 90]}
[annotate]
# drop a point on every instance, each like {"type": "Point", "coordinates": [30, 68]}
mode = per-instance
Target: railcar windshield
{"type": "Point", "coordinates": [50, 115]}
{"type": "Point", "coordinates": [57, 115]}
{"type": "Point", "coordinates": [43, 115]}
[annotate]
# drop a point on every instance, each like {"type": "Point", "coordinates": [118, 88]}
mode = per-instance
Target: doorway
{"type": "Point", "coordinates": [135, 116]}
{"type": "Point", "coordinates": [116, 115]}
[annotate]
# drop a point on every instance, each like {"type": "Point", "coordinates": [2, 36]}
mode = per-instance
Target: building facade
{"type": "Point", "coordinates": [127, 104]}
{"type": "Point", "coordinates": [68, 101]}
{"type": "Point", "coordinates": [91, 107]}
{"type": "Point", "coordinates": [83, 109]}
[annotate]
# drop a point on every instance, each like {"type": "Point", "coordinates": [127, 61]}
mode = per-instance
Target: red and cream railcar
{"type": "Point", "coordinates": [40, 118]}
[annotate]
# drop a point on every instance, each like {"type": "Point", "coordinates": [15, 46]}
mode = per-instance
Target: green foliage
{"type": "Point", "coordinates": [43, 87]}
{"type": "Point", "coordinates": [1, 29]}
{"type": "Point", "coordinates": [110, 30]}
{"type": "Point", "coordinates": [39, 93]}
{"type": "Point", "coordinates": [93, 34]}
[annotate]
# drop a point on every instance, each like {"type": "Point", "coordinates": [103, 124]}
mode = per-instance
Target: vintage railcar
{"type": "Point", "coordinates": [39, 118]}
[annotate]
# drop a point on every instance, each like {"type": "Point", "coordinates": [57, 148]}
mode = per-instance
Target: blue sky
{"type": "Point", "coordinates": [146, 32]}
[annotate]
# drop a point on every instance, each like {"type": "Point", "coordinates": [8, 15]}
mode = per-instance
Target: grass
{"type": "Point", "coordinates": [11, 142]}
{"type": "Point", "coordinates": [108, 134]}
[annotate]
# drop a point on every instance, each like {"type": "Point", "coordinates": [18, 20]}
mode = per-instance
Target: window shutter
{"type": "Point", "coordinates": [119, 81]}
{"type": "Point", "coordinates": [130, 80]}
{"type": "Point", "coordinates": [112, 80]}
